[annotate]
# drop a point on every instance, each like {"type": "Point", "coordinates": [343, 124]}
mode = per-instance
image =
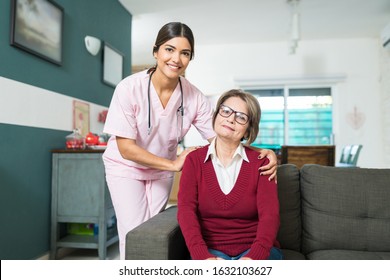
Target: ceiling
{"type": "Point", "coordinates": [250, 21]}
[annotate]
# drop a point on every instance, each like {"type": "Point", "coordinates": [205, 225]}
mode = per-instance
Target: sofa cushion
{"type": "Point", "coordinates": [347, 255]}
{"type": "Point", "coordinates": [290, 229]}
{"type": "Point", "coordinates": [292, 255]}
{"type": "Point", "coordinates": [345, 209]}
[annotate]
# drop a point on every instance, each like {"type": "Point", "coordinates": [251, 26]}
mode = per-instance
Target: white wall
{"type": "Point", "coordinates": [217, 68]}
{"type": "Point", "coordinates": [27, 105]}
{"type": "Point", "coordinates": [385, 85]}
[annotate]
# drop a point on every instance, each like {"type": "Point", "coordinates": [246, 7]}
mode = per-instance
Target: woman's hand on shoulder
{"type": "Point", "coordinates": [271, 167]}
{"type": "Point", "coordinates": [179, 161]}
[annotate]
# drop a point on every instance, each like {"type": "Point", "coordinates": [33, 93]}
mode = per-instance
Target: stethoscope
{"type": "Point", "coordinates": [180, 110]}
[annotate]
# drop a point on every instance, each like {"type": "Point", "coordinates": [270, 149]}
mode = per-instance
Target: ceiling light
{"type": "Point", "coordinates": [294, 25]}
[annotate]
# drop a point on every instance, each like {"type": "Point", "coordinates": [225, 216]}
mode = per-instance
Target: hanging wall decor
{"type": "Point", "coordinates": [112, 65]}
{"type": "Point", "coordinates": [356, 118]}
{"type": "Point", "coordinates": [36, 27]}
{"type": "Point", "coordinates": [81, 117]}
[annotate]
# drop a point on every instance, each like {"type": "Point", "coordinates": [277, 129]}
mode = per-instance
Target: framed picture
{"type": "Point", "coordinates": [112, 65]}
{"type": "Point", "coordinates": [81, 117]}
{"type": "Point", "coordinates": [36, 27]}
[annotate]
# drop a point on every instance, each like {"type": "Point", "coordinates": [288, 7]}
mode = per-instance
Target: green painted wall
{"type": "Point", "coordinates": [25, 190]}
{"type": "Point", "coordinates": [25, 159]}
{"type": "Point", "coordinates": [80, 74]}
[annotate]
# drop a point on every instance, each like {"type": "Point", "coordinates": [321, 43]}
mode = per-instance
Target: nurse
{"type": "Point", "coordinates": [150, 113]}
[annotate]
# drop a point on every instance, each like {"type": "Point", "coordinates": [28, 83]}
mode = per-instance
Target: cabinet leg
{"type": "Point", "coordinates": [102, 252]}
{"type": "Point", "coordinates": [102, 247]}
{"type": "Point", "coordinates": [53, 240]}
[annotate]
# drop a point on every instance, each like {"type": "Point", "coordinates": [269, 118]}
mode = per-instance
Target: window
{"type": "Point", "coordinates": [294, 116]}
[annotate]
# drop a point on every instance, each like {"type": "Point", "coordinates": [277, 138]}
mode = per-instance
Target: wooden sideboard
{"type": "Point", "coordinates": [300, 155]}
{"type": "Point", "coordinates": [175, 188]}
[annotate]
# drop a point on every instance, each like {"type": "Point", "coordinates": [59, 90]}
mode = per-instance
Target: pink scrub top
{"type": "Point", "coordinates": [128, 117]}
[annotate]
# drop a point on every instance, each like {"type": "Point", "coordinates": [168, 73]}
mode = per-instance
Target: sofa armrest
{"type": "Point", "coordinates": [159, 238]}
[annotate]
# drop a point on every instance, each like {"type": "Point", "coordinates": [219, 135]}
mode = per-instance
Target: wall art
{"type": "Point", "coordinates": [36, 27]}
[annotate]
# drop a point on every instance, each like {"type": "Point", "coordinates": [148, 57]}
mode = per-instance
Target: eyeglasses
{"type": "Point", "coordinates": [239, 117]}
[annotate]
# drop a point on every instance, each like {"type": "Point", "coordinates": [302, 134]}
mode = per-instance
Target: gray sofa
{"type": "Point", "coordinates": [325, 213]}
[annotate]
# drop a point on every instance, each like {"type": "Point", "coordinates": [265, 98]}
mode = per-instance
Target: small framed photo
{"type": "Point", "coordinates": [112, 65]}
{"type": "Point", "coordinates": [36, 27]}
{"type": "Point", "coordinates": [81, 117]}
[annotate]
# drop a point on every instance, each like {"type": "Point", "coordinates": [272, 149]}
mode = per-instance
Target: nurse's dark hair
{"type": "Point", "coordinates": [254, 112]}
{"type": "Point", "coordinates": [172, 30]}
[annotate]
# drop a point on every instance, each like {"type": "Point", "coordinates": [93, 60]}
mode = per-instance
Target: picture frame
{"type": "Point", "coordinates": [37, 28]}
{"type": "Point", "coordinates": [81, 117]}
{"type": "Point", "coordinates": [112, 65]}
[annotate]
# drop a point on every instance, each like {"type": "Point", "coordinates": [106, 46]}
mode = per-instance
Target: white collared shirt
{"type": "Point", "coordinates": [227, 176]}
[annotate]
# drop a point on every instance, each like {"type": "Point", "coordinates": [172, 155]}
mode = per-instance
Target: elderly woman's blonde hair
{"type": "Point", "coordinates": [254, 112]}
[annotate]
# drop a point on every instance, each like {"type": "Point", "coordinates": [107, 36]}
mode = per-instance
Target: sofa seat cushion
{"type": "Point", "coordinates": [347, 255]}
{"type": "Point", "coordinates": [345, 209]}
{"type": "Point", "coordinates": [292, 255]}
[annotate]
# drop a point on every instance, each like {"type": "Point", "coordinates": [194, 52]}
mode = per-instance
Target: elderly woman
{"type": "Point", "coordinates": [226, 208]}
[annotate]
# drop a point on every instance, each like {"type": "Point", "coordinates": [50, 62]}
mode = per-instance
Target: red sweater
{"type": "Point", "coordinates": [246, 218]}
